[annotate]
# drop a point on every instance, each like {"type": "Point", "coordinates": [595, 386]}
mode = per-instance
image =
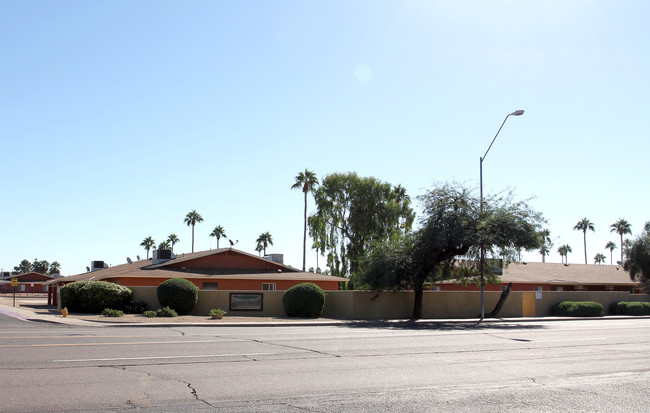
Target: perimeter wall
{"type": "Point", "coordinates": [371, 305]}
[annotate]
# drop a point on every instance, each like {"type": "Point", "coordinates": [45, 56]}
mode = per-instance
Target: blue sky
{"type": "Point", "coordinates": [118, 117]}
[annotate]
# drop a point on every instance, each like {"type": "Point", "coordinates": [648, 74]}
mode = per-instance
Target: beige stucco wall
{"type": "Point", "coordinates": [371, 305]}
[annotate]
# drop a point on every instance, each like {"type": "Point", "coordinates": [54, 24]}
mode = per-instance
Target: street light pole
{"type": "Point", "coordinates": [515, 113]}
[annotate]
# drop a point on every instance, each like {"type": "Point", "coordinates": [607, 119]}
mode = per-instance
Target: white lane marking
{"type": "Point", "coordinates": [166, 357]}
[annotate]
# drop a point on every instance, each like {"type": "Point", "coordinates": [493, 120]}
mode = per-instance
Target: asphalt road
{"type": "Point", "coordinates": [578, 365]}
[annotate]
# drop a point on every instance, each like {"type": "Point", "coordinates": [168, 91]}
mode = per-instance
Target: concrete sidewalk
{"type": "Point", "coordinates": [28, 313]}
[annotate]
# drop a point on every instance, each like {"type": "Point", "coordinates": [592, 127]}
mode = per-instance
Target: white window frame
{"type": "Point", "coordinates": [269, 286]}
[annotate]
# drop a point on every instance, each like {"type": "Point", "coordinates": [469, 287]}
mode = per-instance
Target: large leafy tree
{"type": "Point", "coordinates": [191, 219]}
{"type": "Point", "coordinates": [452, 227]}
{"type": "Point", "coordinates": [621, 227]}
{"type": "Point", "coordinates": [218, 232]}
{"type": "Point", "coordinates": [637, 261]}
{"type": "Point", "coordinates": [351, 214]}
{"type": "Point", "coordinates": [583, 225]}
{"type": "Point", "coordinates": [173, 240]}
{"type": "Point", "coordinates": [306, 182]}
{"type": "Point", "coordinates": [147, 244]}
{"type": "Point", "coordinates": [24, 267]}
{"type": "Point", "coordinates": [611, 246]}
{"type": "Point", "coordinates": [264, 240]}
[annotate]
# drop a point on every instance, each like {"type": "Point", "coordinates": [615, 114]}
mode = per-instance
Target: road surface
{"type": "Point", "coordinates": [577, 365]}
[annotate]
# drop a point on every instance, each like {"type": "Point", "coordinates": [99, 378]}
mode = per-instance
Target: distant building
{"type": "Point", "coordinates": [537, 276]}
{"type": "Point", "coordinates": [31, 282]}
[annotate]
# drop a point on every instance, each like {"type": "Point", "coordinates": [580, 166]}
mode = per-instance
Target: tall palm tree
{"type": "Point", "coordinates": [173, 239]}
{"type": "Point", "coordinates": [544, 251]}
{"type": "Point", "coordinates": [545, 237]}
{"type": "Point", "coordinates": [621, 227]}
{"type": "Point", "coordinates": [147, 243]}
{"type": "Point", "coordinates": [55, 269]}
{"type": "Point", "coordinates": [191, 219]}
{"type": "Point", "coordinates": [599, 258]}
{"type": "Point", "coordinates": [265, 240]}
{"type": "Point", "coordinates": [306, 182]}
{"type": "Point", "coordinates": [611, 247]}
{"type": "Point", "coordinates": [218, 232]}
{"type": "Point", "coordinates": [259, 247]}
{"type": "Point", "coordinates": [564, 251]}
{"type": "Point", "coordinates": [583, 225]}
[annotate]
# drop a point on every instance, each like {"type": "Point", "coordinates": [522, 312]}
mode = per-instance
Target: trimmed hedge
{"type": "Point", "coordinates": [304, 300]}
{"type": "Point", "coordinates": [631, 308]}
{"type": "Point", "coordinates": [94, 296]}
{"type": "Point", "coordinates": [179, 294]}
{"type": "Point", "coordinates": [578, 309]}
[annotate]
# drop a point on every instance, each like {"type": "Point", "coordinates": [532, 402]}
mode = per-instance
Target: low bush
{"type": "Point", "coordinates": [304, 300]}
{"type": "Point", "coordinates": [166, 312]}
{"type": "Point", "coordinates": [578, 309]}
{"type": "Point", "coordinates": [109, 312]}
{"type": "Point", "coordinates": [179, 294]}
{"type": "Point", "coordinates": [217, 313]}
{"type": "Point", "coordinates": [149, 313]}
{"type": "Point", "coordinates": [94, 296]}
{"type": "Point", "coordinates": [631, 308]}
{"type": "Point", "coordinates": [136, 307]}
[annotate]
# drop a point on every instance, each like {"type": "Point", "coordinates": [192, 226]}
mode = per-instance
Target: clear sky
{"type": "Point", "coordinates": [119, 117]}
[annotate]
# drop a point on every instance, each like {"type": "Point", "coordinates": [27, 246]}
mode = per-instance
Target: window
{"type": "Point", "coordinates": [21, 288]}
{"type": "Point", "coordinates": [211, 286]}
{"type": "Point", "coordinates": [556, 288]}
{"type": "Point", "coordinates": [538, 288]}
{"type": "Point", "coordinates": [44, 287]}
{"type": "Point", "coordinates": [268, 286]}
{"type": "Point", "coordinates": [435, 288]}
{"type": "Point", "coordinates": [504, 288]}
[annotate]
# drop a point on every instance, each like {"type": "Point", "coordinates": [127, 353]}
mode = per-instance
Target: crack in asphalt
{"type": "Point", "coordinates": [297, 348]}
{"type": "Point", "coordinates": [195, 394]}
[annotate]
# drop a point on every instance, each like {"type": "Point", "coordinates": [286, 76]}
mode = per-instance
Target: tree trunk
{"type": "Point", "coordinates": [417, 302]}
{"type": "Point", "coordinates": [585, 242]}
{"type": "Point", "coordinates": [304, 235]}
{"type": "Point", "coordinates": [192, 237]}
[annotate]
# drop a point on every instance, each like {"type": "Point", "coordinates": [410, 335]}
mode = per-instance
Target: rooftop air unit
{"type": "Point", "coordinates": [97, 265]}
{"type": "Point", "coordinates": [279, 258]}
{"type": "Point", "coordinates": [160, 256]}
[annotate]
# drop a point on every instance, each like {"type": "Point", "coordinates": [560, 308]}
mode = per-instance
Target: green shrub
{"type": "Point", "coordinates": [136, 307]}
{"type": "Point", "coordinates": [149, 314]}
{"type": "Point", "coordinates": [109, 312]}
{"type": "Point", "coordinates": [631, 308]}
{"type": "Point", "coordinates": [94, 296]}
{"type": "Point", "coordinates": [166, 312]}
{"type": "Point", "coordinates": [179, 294]}
{"type": "Point", "coordinates": [579, 309]}
{"type": "Point", "coordinates": [217, 313]}
{"type": "Point", "coordinates": [304, 300]}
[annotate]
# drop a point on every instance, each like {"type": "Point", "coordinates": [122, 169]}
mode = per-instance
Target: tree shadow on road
{"type": "Point", "coordinates": [442, 325]}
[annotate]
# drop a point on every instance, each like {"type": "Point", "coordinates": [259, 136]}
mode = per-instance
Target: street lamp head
{"type": "Point", "coordinates": [518, 112]}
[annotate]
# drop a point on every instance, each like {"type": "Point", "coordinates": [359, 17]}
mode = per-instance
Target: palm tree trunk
{"type": "Point", "coordinates": [585, 242]}
{"type": "Point", "coordinates": [304, 235]}
{"type": "Point", "coordinates": [621, 249]}
{"type": "Point", "coordinates": [192, 237]}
